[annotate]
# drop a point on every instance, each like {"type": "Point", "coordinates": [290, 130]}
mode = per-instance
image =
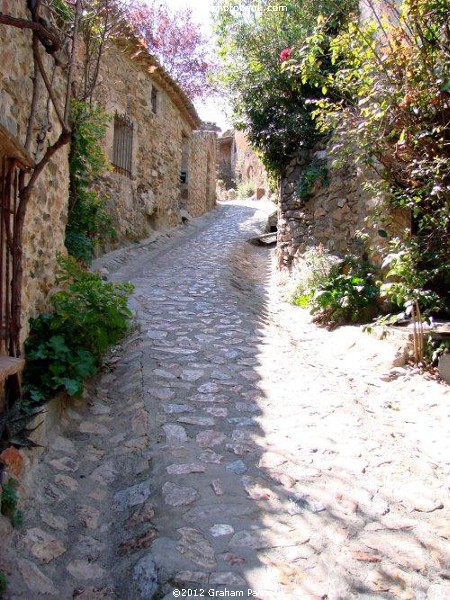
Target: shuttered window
{"type": "Point", "coordinates": [123, 145]}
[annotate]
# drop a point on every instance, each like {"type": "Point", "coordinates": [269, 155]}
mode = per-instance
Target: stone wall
{"type": "Point", "coordinates": [47, 209]}
{"type": "Point", "coordinates": [249, 166]}
{"type": "Point", "coordinates": [151, 199]}
{"type": "Point", "coordinates": [131, 83]}
{"type": "Point", "coordinates": [225, 165]}
{"type": "Point", "coordinates": [238, 162]}
{"type": "Point", "coordinates": [202, 176]}
{"type": "Point", "coordinates": [339, 213]}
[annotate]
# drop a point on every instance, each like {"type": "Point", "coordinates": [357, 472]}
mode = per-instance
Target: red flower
{"type": "Point", "coordinates": [285, 54]}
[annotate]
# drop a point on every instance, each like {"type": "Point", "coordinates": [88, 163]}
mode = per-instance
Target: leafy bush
{"type": "Point", "coordinates": [309, 270]}
{"type": "Point", "coordinates": [339, 292]}
{"type": "Point", "coordinates": [65, 346]}
{"type": "Point", "coordinates": [9, 503]}
{"type": "Point", "coordinates": [88, 221]}
{"type": "Point", "coordinates": [404, 281]}
{"type": "Point", "coordinates": [265, 103]}
{"type": "Point", "coordinates": [245, 189]}
{"type": "Point", "coordinates": [93, 312]}
{"type": "Point", "coordinates": [388, 96]}
{"type": "Point", "coordinates": [314, 172]}
{"type": "Point", "coordinates": [3, 584]}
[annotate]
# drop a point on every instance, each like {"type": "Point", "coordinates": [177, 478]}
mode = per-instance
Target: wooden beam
{"type": "Point", "coordinates": [12, 148]}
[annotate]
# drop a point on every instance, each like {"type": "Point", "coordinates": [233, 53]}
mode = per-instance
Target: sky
{"type": "Point", "coordinates": [211, 109]}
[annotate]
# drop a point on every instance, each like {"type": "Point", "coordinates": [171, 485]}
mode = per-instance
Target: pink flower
{"type": "Point", "coordinates": [285, 54]}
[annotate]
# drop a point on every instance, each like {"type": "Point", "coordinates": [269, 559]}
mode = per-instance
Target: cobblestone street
{"type": "Point", "coordinates": [231, 445]}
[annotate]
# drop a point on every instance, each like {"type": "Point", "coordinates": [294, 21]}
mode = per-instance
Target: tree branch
{"type": "Point", "coordinates": [48, 84]}
{"type": "Point", "coordinates": [49, 39]}
{"type": "Point", "coordinates": [63, 139]}
{"type": "Point", "coordinates": [34, 102]}
{"type": "Point", "coordinates": [73, 58]}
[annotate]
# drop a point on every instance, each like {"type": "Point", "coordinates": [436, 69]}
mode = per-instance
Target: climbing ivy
{"type": "Point", "coordinates": [311, 174]}
{"type": "Point", "coordinates": [88, 222]}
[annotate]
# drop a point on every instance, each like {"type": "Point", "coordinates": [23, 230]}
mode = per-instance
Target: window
{"type": "Point", "coordinates": [184, 159]}
{"type": "Point", "coordinates": [122, 159]}
{"type": "Point", "coordinates": [154, 100]}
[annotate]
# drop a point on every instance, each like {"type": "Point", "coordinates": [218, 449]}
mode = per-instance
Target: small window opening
{"type": "Point", "coordinates": [123, 145]}
{"type": "Point", "coordinates": [184, 159]}
{"type": "Point", "coordinates": [154, 100]}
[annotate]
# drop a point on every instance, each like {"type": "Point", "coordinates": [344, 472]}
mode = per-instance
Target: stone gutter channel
{"type": "Point", "coordinates": [232, 448]}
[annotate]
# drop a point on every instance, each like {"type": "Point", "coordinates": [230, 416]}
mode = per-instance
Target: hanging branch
{"type": "Point", "coordinates": [40, 64]}
{"type": "Point", "coordinates": [72, 59]}
{"type": "Point", "coordinates": [90, 82]}
{"type": "Point", "coordinates": [34, 102]}
{"type": "Point", "coordinates": [48, 38]}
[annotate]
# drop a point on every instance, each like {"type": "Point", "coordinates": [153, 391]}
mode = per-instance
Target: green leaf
{"type": "Point", "coordinates": [73, 387]}
{"type": "Point", "coordinates": [57, 344]}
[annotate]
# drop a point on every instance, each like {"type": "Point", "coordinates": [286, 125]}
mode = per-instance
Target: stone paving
{"type": "Point", "coordinates": [233, 449]}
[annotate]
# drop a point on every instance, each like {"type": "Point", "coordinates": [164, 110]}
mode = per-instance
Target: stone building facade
{"type": "Point", "coordinates": [238, 162]}
{"type": "Point", "coordinates": [162, 158]}
{"type": "Point", "coordinates": [169, 166]}
{"type": "Point", "coordinates": [46, 214]}
{"type": "Point", "coordinates": [226, 159]}
{"type": "Point", "coordinates": [202, 179]}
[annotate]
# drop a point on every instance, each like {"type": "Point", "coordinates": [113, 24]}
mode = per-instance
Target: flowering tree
{"type": "Point", "coordinates": [389, 97]}
{"type": "Point", "coordinates": [176, 40]}
{"type": "Point", "coordinates": [252, 45]}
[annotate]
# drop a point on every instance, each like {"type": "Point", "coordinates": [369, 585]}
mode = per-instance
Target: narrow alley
{"type": "Point", "coordinates": [231, 447]}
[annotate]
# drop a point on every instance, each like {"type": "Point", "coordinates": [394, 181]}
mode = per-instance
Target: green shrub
{"type": "Point", "coordinates": [405, 280]}
{"type": "Point", "coordinates": [245, 189]}
{"type": "Point", "coordinates": [88, 221]}
{"type": "Point", "coordinates": [336, 290]}
{"type": "Point", "coordinates": [387, 99]}
{"type": "Point", "coordinates": [79, 245]}
{"type": "Point", "coordinates": [308, 272]}
{"type": "Point", "coordinates": [65, 346]}
{"type": "Point", "coordinates": [9, 503]}
{"type": "Point", "coordinates": [348, 294]}
{"type": "Point", "coordinates": [3, 584]}
{"type": "Point", "coordinates": [314, 172]}
{"type": "Point", "coordinates": [94, 313]}
{"type": "Point", "coordinates": [266, 103]}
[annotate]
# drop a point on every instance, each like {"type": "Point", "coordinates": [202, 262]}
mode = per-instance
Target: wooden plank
{"type": "Point", "coordinates": [12, 148]}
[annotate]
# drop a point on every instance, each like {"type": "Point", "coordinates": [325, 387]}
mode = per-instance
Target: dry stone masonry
{"type": "Point", "coordinates": [338, 213]}
{"type": "Point", "coordinates": [47, 211]}
{"type": "Point", "coordinates": [238, 163]}
{"type": "Point", "coordinates": [144, 187]}
{"type": "Point", "coordinates": [166, 133]}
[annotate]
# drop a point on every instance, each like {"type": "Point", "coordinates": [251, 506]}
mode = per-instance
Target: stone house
{"type": "Point", "coordinates": [46, 214]}
{"type": "Point", "coordinates": [238, 162]}
{"type": "Point", "coordinates": [162, 162]}
{"type": "Point", "coordinates": [163, 157]}
{"type": "Point", "coordinates": [226, 159]}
